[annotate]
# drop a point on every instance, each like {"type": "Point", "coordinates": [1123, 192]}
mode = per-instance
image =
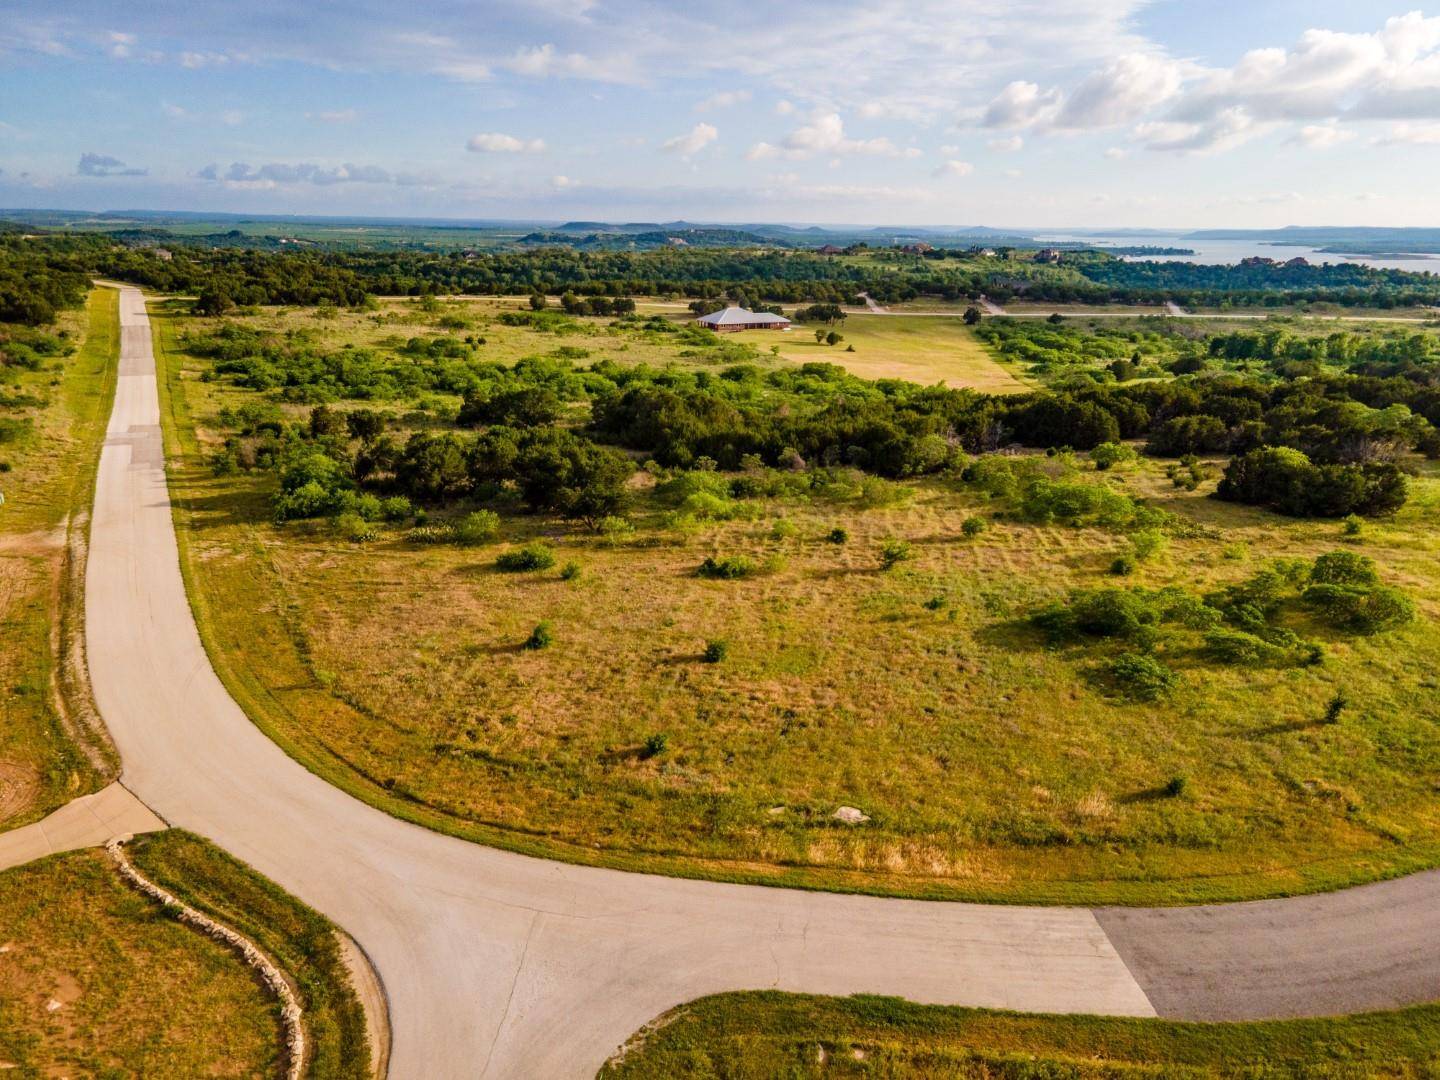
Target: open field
{"type": "Point", "coordinates": [46, 488]}
{"type": "Point", "coordinates": [918, 350]}
{"type": "Point", "coordinates": [988, 764]}
{"type": "Point", "coordinates": [96, 980]}
{"type": "Point", "coordinates": [772, 1034]}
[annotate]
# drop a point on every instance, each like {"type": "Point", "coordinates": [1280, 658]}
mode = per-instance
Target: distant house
{"type": "Point", "coordinates": [830, 249]}
{"type": "Point", "coordinates": [917, 249]}
{"type": "Point", "coordinates": [1050, 255]}
{"type": "Point", "coordinates": [738, 318]}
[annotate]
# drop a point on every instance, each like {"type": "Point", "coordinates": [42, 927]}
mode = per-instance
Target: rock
{"type": "Point", "coordinates": [850, 816]}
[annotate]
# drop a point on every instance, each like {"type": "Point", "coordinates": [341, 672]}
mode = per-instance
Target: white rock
{"type": "Point", "coordinates": [850, 816]}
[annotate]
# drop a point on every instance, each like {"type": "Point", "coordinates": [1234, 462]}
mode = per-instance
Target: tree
{"type": "Point", "coordinates": [820, 336]}
{"type": "Point", "coordinates": [433, 467]}
{"type": "Point", "coordinates": [557, 470]}
{"type": "Point", "coordinates": [833, 338]}
{"type": "Point", "coordinates": [213, 301]}
{"type": "Point", "coordinates": [538, 301]}
{"type": "Point", "coordinates": [972, 316]}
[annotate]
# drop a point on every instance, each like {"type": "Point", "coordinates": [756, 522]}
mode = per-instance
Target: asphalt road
{"type": "Point", "coordinates": [500, 965]}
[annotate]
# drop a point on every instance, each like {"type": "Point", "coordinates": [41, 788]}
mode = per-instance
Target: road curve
{"type": "Point", "coordinates": [501, 965]}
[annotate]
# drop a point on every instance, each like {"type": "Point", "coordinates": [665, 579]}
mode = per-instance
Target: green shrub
{"type": "Point", "coordinates": [396, 508]}
{"type": "Point", "coordinates": [478, 527]}
{"type": "Point", "coordinates": [973, 526]}
{"type": "Point", "coordinates": [1123, 565]}
{"type": "Point", "coordinates": [1352, 525]}
{"type": "Point", "coordinates": [838, 536]}
{"type": "Point", "coordinates": [1109, 454]}
{"type": "Point", "coordinates": [616, 530]}
{"type": "Point", "coordinates": [1176, 786]}
{"type": "Point", "coordinates": [355, 528]}
{"type": "Point", "coordinates": [1344, 568]}
{"type": "Point", "coordinates": [540, 638]}
{"type": "Point", "coordinates": [1335, 706]}
{"type": "Point", "coordinates": [570, 571]}
{"type": "Point", "coordinates": [893, 552]}
{"type": "Point", "coordinates": [729, 568]}
{"type": "Point", "coordinates": [1238, 647]}
{"type": "Point", "coordinates": [1360, 610]}
{"type": "Point", "coordinates": [1140, 677]}
{"type": "Point", "coordinates": [529, 557]}
{"type": "Point", "coordinates": [654, 745]}
{"type": "Point", "coordinates": [1148, 544]}
{"type": "Point", "coordinates": [716, 651]}
{"type": "Point", "coordinates": [782, 529]}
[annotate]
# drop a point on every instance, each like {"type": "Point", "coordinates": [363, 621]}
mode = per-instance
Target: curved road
{"type": "Point", "coordinates": [500, 965]}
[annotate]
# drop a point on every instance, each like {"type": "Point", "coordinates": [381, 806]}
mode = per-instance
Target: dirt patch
{"type": "Point", "coordinates": [39, 542]}
{"type": "Point", "coordinates": [366, 983]}
{"type": "Point", "coordinates": [19, 787]}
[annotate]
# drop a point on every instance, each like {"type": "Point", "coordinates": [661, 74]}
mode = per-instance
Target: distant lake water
{"type": "Point", "coordinates": [1228, 252]}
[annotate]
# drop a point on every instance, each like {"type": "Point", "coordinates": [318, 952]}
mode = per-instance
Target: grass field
{"type": "Point", "coordinates": [47, 490]}
{"type": "Point", "coordinates": [917, 349]}
{"type": "Point", "coordinates": [768, 1034]}
{"type": "Point", "coordinates": [989, 765]}
{"type": "Point", "coordinates": [97, 980]}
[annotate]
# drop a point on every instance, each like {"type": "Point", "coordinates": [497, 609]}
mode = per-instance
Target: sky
{"type": "Point", "coordinates": [1026, 114]}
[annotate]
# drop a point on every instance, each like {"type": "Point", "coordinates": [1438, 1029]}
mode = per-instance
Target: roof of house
{"type": "Point", "coordinates": [737, 316]}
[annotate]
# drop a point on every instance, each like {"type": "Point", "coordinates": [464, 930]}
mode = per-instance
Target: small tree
{"type": "Point", "coordinates": [893, 552]}
{"type": "Point", "coordinates": [820, 336]}
{"type": "Point", "coordinates": [834, 337]}
{"type": "Point", "coordinates": [716, 651]}
{"type": "Point", "coordinates": [540, 637]}
{"type": "Point", "coordinates": [972, 316]}
{"type": "Point", "coordinates": [1335, 706]}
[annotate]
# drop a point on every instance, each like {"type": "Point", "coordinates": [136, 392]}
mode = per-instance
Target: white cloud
{"type": "Point", "coordinates": [825, 134]}
{"type": "Point", "coordinates": [560, 183]}
{"type": "Point", "coordinates": [1227, 129]}
{"type": "Point", "coordinates": [1116, 153]}
{"type": "Point", "coordinates": [954, 168]}
{"type": "Point", "coordinates": [693, 141]}
{"type": "Point", "coordinates": [546, 61]}
{"type": "Point", "coordinates": [1004, 146]}
{"type": "Point", "coordinates": [784, 108]}
{"type": "Point", "coordinates": [1121, 92]}
{"type": "Point", "coordinates": [1322, 136]}
{"type": "Point", "coordinates": [242, 175]}
{"type": "Point", "coordinates": [495, 142]}
{"type": "Point", "coordinates": [1408, 134]}
{"type": "Point", "coordinates": [723, 100]}
{"type": "Point", "coordinates": [1021, 104]}
{"type": "Point", "coordinates": [118, 44]}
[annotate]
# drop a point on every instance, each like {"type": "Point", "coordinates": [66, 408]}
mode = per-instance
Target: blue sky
{"type": "Point", "coordinates": [1033, 113]}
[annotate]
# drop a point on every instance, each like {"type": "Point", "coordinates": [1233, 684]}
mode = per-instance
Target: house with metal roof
{"type": "Point", "coordinates": [739, 318]}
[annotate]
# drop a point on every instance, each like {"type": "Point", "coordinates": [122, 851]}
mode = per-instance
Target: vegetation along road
{"type": "Point", "coordinates": [504, 965]}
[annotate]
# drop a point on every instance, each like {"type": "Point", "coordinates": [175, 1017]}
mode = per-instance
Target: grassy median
{"type": "Point", "coordinates": [771, 1034]}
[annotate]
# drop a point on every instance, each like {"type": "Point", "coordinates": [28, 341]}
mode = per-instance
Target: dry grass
{"type": "Point", "coordinates": [50, 478]}
{"type": "Point", "coordinates": [986, 763]}
{"type": "Point", "coordinates": [96, 981]}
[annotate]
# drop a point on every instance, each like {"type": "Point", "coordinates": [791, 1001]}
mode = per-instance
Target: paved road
{"type": "Point", "coordinates": [499, 965]}
{"type": "Point", "coordinates": [88, 821]}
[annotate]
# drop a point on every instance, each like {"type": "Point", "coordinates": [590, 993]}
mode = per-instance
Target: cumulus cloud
{"type": "Point", "coordinates": [241, 174]}
{"type": "Point", "coordinates": [954, 168]}
{"type": "Point", "coordinates": [92, 164]}
{"type": "Point", "coordinates": [546, 61]}
{"type": "Point", "coordinates": [693, 141]}
{"type": "Point", "coordinates": [495, 142]}
{"type": "Point", "coordinates": [723, 100]}
{"type": "Point", "coordinates": [1121, 92]}
{"type": "Point", "coordinates": [1227, 129]}
{"type": "Point", "coordinates": [1021, 104]}
{"type": "Point", "coordinates": [1321, 136]}
{"type": "Point", "coordinates": [825, 134]}
{"type": "Point", "coordinates": [118, 44]}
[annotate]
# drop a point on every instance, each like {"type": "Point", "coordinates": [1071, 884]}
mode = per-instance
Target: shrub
{"type": "Point", "coordinates": [478, 527]}
{"type": "Point", "coordinates": [1334, 707]}
{"type": "Point", "coordinates": [1353, 525]}
{"type": "Point", "coordinates": [529, 557]}
{"type": "Point", "coordinates": [1175, 786]}
{"type": "Point", "coordinates": [893, 552]}
{"type": "Point", "coordinates": [973, 526]}
{"type": "Point", "coordinates": [654, 745]}
{"type": "Point", "coordinates": [1123, 566]}
{"type": "Point", "coordinates": [1238, 647]}
{"type": "Point", "coordinates": [540, 638]}
{"type": "Point", "coordinates": [570, 571]}
{"type": "Point", "coordinates": [396, 508]}
{"type": "Point", "coordinates": [729, 568]}
{"type": "Point", "coordinates": [1140, 677]}
{"type": "Point", "coordinates": [1109, 454]}
{"type": "Point", "coordinates": [1108, 613]}
{"type": "Point", "coordinates": [1360, 610]}
{"type": "Point", "coordinates": [616, 530]}
{"type": "Point", "coordinates": [1148, 543]}
{"type": "Point", "coordinates": [782, 529]}
{"type": "Point", "coordinates": [355, 528]}
{"type": "Point", "coordinates": [838, 536]}
{"type": "Point", "coordinates": [716, 651]}
{"type": "Point", "coordinates": [1344, 568]}
{"type": "Point", "coordinates": [1285, 480]}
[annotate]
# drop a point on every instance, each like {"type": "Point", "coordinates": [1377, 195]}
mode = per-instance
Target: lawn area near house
{"type": "Point", "coordinates": [711, 718]}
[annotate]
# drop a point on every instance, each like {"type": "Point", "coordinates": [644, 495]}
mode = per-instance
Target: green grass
{"type": "Point", "coordinates": [44, 520]}
{"type": "Point", "coordinates": [771, 1034]}
{"type": "Point", "coordinates": [302, 942]}
{"type": "Point", "coordinates": [990, 766]}
{"type": "Point", "coordinates": [139, 993]}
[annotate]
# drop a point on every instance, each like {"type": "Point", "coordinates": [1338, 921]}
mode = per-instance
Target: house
{"type": "Point", "coordinates": [738, 318]}
{"type": "Point", "coordinates": [1050, 255]}
{"type": "Point", "coordinates": [917, 249]}
{"type": "Point", "coordinates": [830, 249]}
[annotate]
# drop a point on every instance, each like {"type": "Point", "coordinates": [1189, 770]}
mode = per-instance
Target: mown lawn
{"type": "Point", "coordinates": [47, 489]}
{"type": "Point", "coordinates": [770, 1034]}
{"type": "Point", "coordinates": [989, 764]}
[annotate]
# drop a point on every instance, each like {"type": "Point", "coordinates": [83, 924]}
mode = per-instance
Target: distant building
{"type": "Point", "coordinates": [917, 249]}
{"type": "Point", "coordinates": [830, 249]}
{"type": "Point", "coordinates": [1050, 255]}
{"type": "Point", "coordinates": [738, 318]}
{"type": "Point", "coordinates": [1297, 263]}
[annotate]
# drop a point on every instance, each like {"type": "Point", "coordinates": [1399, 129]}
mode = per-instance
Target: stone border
{"type": "Point", "coordinates": [290, 1012]}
